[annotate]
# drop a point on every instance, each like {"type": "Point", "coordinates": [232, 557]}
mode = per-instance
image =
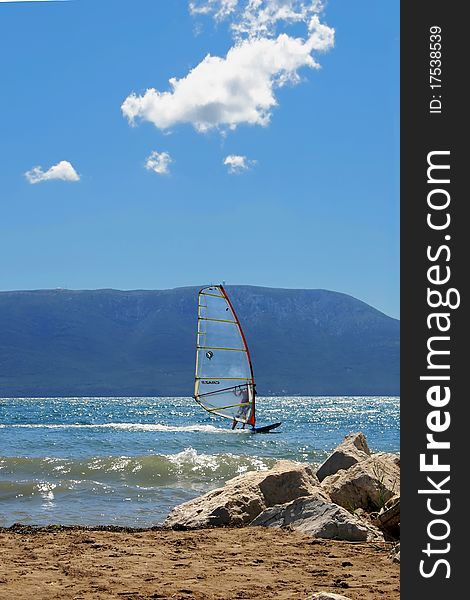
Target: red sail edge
{"type": "Point", "coordinates": [252, 419]}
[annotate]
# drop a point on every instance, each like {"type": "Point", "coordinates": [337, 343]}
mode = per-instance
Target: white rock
{"type": "Point", "coordinates": [369, 484]}
{"type": "Point", "coordinates": [241, 499]}
{"type": "Point", "coordinates": [315, 515]}
{"type": "Point", "coordinates": [352, 450]}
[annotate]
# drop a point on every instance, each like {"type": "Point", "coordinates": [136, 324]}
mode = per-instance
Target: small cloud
{"type": "Point", "coordinates": [237, 164]}
{"type": "Point", "coordinates": [219, 8]}
{"type": "Point", "coordinates": [159, 162]}
{"type": "Point", "coordinates": [63, 170]}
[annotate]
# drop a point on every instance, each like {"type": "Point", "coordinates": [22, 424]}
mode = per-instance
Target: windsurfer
{"type": "Point", "coordinates": [242, 395]}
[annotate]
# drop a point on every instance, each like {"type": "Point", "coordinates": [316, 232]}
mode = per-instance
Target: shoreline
{"type": "Point", "coordinates": [87, 563]}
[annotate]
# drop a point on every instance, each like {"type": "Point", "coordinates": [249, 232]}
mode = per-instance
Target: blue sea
{"type": "Point", "coordinates": [128, 461]}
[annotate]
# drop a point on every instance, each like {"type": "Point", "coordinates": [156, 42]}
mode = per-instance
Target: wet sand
{"type": "Point", "coordinates": [214, 564]}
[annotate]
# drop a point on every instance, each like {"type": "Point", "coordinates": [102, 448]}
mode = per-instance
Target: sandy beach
{"type": "Point", "coordinates": [213, 564]}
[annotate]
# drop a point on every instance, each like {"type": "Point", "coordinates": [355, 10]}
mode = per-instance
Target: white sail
{"type": "Point", "coordinates": [224, 383]}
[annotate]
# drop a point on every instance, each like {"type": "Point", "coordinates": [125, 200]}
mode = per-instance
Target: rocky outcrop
{"type": "Point", "coordinates": [315, 515]}
{"type": "Point", "coordinates": [359, 501]}
{"type": "Point", "coordinates": [352, 450]}
{"type": "Point", "coordinates": [369, 484]}
{"type": "Point", "coordinates": [243, 498]}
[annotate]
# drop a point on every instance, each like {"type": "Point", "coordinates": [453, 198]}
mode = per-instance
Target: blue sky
{"type": "Point", "coordinates": [309, 194]}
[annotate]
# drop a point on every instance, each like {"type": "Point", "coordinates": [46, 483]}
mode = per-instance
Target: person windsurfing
{"type": "Point", "coordinates": [242, 394]}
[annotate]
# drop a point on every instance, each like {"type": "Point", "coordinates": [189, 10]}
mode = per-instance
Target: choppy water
{"type": "Point", "coordinates": [128, 461]}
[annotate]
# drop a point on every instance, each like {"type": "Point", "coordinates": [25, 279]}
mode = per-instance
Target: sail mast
{"type": "Point", "coordinates": [252, 418]}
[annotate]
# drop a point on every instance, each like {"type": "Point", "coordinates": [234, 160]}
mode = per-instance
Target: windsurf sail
{"type": "Point", "coordinates": [224, 383]}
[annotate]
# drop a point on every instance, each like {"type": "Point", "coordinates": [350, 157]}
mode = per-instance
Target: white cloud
{"type": "Point", "coordinates": [220, 9]}
{"type": "Point", "coordinates": [223, 92]}
{"type": "Point", "coordinates": [237, 164]}
{"type": "Point", "coordinates": [63, 170]}
{"type": "Point", "coordinates": [226, 92]}
{"type": "Point", "coordinates": [261, 17]}
{"type": "Point", "coordinates": [258, 18]}
{"type": "Point", "coordinates": [159, 162]}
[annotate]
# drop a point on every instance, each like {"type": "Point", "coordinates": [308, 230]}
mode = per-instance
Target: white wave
{"type": "Point", "coordinates": [120, 426]}
{"type": "Point", "coordinates": [190, 458]}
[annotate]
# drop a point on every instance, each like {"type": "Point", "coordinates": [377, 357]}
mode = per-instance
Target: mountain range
{"type": "Point", "coordinates": [142, 343]}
